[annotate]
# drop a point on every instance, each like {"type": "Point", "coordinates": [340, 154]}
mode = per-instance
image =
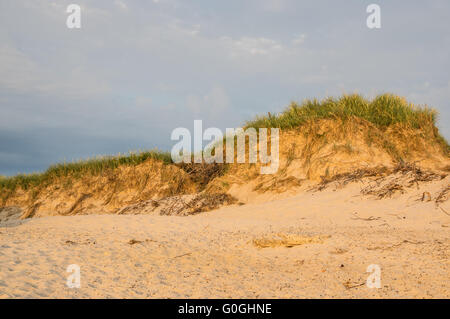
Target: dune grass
{"type": "Point", "coordinates": [94, 166]}
{"type": "Point", "coordinates": [383, 111]}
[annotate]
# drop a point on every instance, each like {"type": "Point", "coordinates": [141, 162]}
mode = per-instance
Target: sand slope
{"type": "Point", "coordinates": [213, 254]}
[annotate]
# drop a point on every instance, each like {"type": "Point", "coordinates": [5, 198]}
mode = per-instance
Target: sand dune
{"type": "Point", "coordinates": [361, 194]}
{"type": "Point", "coordinates": [321, 245]}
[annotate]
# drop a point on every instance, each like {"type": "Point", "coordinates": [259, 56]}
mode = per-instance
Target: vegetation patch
{"type": "Point", "coordinates": [202, 202]}
{"type": "Point", "coordinates": [94, 166]}
{"type": "Point", "coordinates": [383, 111]}
{"type": "Point", "coordinates": [385, 181]}
{"type": "Point", "coordinates": [203, 173]}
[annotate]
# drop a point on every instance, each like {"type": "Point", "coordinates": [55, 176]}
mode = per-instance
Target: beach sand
{"type": "Point", "coordinates": [320, 245]}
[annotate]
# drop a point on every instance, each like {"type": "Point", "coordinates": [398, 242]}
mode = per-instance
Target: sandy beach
{"type": "Point", "coordinates": [275, 150]}
{"type": "Point", "coordinates": [334, 236]}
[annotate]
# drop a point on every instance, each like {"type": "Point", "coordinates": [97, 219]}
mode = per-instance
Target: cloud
{"type": "Point", "coordinates": [274, 5]}
{"type": "Point", "coordinates": [22, 74]}
{"type": "Point", "coordinates": [300, 39]}
{"type": "Point", "coordinates": [143, 101]}
{"type": "Point", "coordinates": [136, 69]}
{"type": "Point", "coordinates": [214, 103]}
{"type": "Point", "coordinates": [435, 96]}
{"type": "Point", "coordinates": [121, 4]}
{"type": "Point", "coordinates": [245, 46]}
{"type": "Point", "coordinates": [17, 70]}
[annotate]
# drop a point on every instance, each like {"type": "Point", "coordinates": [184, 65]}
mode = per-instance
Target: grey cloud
{"type": "Point", "coordinates": [138, 69]}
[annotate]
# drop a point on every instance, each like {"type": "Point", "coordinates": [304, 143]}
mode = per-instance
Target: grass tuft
{"type": "Point", "coordinates": [383, 111]}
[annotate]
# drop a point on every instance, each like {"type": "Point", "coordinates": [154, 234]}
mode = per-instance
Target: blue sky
{"type": "Point", "coordinates": [138, 69]}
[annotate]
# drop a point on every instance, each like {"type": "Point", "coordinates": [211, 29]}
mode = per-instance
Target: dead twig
{"type": "Point", "coordinates": [443, 195]}
{"type": "Point", "coordinates": [349, 177]}
{"type": "Point", "coordinates": [186, 254]}
{"type": "Point", "coordinates": [348, 285]}
{"type": "Point", "coordinates": [134, 241]}
{"type": "Point", "coordinates": [369, 219]}
{"type": "Point", "coordinates": [398, 216]}
{"type": "Point", "coordinates": [444, 211]}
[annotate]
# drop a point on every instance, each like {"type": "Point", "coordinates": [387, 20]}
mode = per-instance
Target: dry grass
{"type": "Point", "coordinates": [403, 175]}
{"type": "Point", "coordinates": [203, 173]}
{"type": "Point", "coordinates": [443, 195]}
{"type": "Point", "coordinates": [202, 202]}
{"type": "Point", "coordinates": [179, 205]}
{"type": "Point", "coordinates": [385, 191]}
{"type": "Point", "coordinates": [345, 178]}
{"type": "Point", "coordinates": [287, 240]}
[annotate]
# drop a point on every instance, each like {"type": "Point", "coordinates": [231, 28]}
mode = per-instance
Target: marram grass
{"type": "Point", "coordinates": [383, 111]}
{"type": "Point", "coordinates": [94, 166]}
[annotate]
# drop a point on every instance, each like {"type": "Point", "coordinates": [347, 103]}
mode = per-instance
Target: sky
{"type": "Point", "coordinates": [136, 70]}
